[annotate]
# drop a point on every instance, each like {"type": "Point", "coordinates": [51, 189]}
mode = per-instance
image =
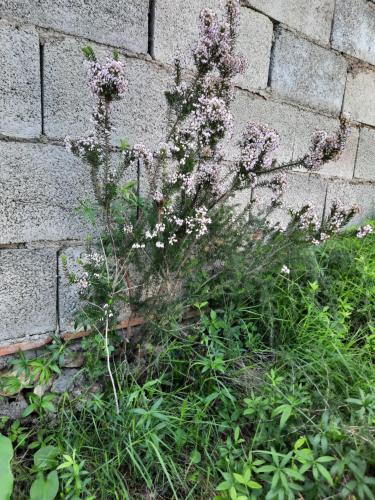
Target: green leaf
{"type": "Point", "coordinates": [225, 485]}
{"type": "Point", "coordinates": [6, 476]}
{"type": "Point", "coordinates": [233, 493]}
{"type": "Point", "coordinates": [285, 411]}
{"type": "Point", "coordinates": [47, 405]}
{"type": "Point", "coordinates": [45, 488]}
{"type": "Point", "coordinates": [305, 455]}
{"type": "Point", "coordinates": [45, 458]}
{"type": "Point", "coordinates": [326, 459]}
{"type": "Point", "coordinates": [124, 145]}
{"type": "Point", "coordinates": [239, 478]}
{"type": "Point", "coordinates": [300, 442]}
{"type": "Point", "coordinates": [29, 410]}
{"type": "Point", "coordinates": [266, 468]}
{"type": "Point", "coordinates": [89, 53]}
{"type": "Point", "coordinates": [254, 485]}
{"type": "Point", "coordinates": [195, 457]}
{"type": "Point", "coordinates": [324, 472]}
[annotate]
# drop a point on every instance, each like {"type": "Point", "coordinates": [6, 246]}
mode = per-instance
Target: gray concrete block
{"type": "Point", "coordinates": [176, 33]}
{"type": "Point", "coordinates": [68, 293]}
{"type": "Point", "coordinates": [354, 29]}
{"type": "Point", "coordinates": [176, 27]}
{"type": "Point", "coordinates": [306, 73]}
{"type": "Point", "coordinates": [20, 81]}
{"type": "Point", "coordinates": [312, 17]}
{"type": "Point", "coordinates": [140, 116]}
{"type": "Point", "coordinates": [27, 292]}
{"type": "Point", "coordinates": [353, 193]}
{"type": "Point", "coordinates": [121, 24]}
{"type": "Point", "coordinates": [254, 42]}
{"type": "Point", "coordinates": [365, 165]}
{"type": "Point", "coordinates": [306, 124]}
{"type": "Point", "coordinates": [360, 96]}
{"type": "Point", "coordinates": [40, 188]}
{"type": "Point", "coordinates": [301, 189]}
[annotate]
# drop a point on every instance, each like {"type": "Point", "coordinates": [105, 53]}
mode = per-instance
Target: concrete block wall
{"type": "Point", "coordinates": [309, 60]}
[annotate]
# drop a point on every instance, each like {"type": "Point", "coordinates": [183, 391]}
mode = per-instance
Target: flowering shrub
{"type": "Point", "coordinates": [184, 222]}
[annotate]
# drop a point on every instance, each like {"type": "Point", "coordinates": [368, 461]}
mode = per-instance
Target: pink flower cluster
{"type": "Point", "coordinates": [215, 46]}
{"type": "Point", "coordinates": [107, 80]}
{"type": "Point", "coordinates": [339, 216]}
{"type": "Point", "coordinates": [326, 146]}
{"type": "Point", "coordinates": [317, 232]}
{"type": "Point", "coordinates": [258, 144]}
{"type": "Point", "coordinates": [85, 147]}
{"type": "Point", "coordinates": [277, 185]}
{"type": "Point", "coordinates": [306, 218]}
{"type": "Point", "coordinates": [140, 152]}
{"type": "Point", "coordinates": [211, 120]}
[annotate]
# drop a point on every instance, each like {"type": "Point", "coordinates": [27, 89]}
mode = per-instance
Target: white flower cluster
{"type": "Point", "coordinates": [364, 231]}
{"type": "Point", "coordinates": [196, 225]}
{"type": "Point", "coordinates": [95, 259]}
{"type": "Point", "coordinates": [199, 223]}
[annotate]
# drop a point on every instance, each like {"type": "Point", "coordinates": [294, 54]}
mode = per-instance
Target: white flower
{"type": "Point", "coordinates": [285, 269]}
{"type": "Point", "coordinates": [159, 244]}
{"type": "Point", "coordinates": [364, 231]}
{"type": "Point", "coordinates": [128, 228]}
{"type": "Point", "coordinates": [172, 239]}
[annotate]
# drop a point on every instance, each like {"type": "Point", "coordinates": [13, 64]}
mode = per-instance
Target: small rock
{"type": "Point", "coordinates": [41, 389]}
{"type": "Point", "coordinates": [64, 381]}
{"type": "Point", "coordinates": [73, 359]}
{"type": "Point", "coordinates": [13, 409]}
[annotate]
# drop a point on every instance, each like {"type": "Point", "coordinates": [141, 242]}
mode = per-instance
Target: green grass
{"type": "Point", "coordinates": [269, 395]}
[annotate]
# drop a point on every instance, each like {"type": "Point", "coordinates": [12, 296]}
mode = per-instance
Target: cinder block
{"type": "Point", "coordinates": [306, 73]}
{"type": "Point", "coordinates": [301, 189]}
{"type": "Point", "coordinates": [250, 108]}
{"type": "Point", "coordinates": [176, 33]}
{"type": "Point", "coordinates": [306, 124]}
{"type": "Point", "coordinates": [176, 27]}
{"type": "Point", "coordinates": [312, 17]}
{"type": "Point", "coordinates": [27, 293]}
{"type": "Point", "coordinates": [140, 116]}
{"type": "Point", "coordinates": [40, 188]}
{"type": "Point", "coordinates": [254, 42]}
{"type": "Point", "coordinates": [353, 193]}
{"type": "Point", "coordinates": [360, 96]}
{"type": "Point", "coordinates": [68, 293]}
{"type": "Point", "coordinates": [20, 81]}
{"type": "Point", "coordinates": [121, 24]}
{"type": "Point", "coordinates": [365, 165]}
{"type": "Point", "coordinates": [354, 29]}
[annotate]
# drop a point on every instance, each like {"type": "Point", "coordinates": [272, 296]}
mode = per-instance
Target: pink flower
{"type": "Point", "coordinates": [108, 81]}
